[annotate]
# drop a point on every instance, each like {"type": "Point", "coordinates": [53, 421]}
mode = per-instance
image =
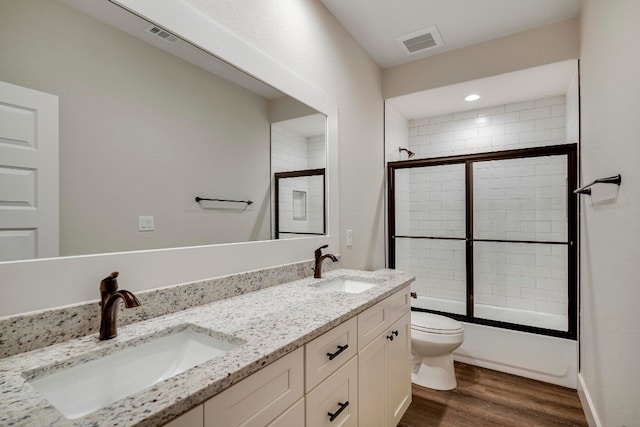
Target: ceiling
{"type": "Point", "coordinates": [376, 24]}
{"type": "Point", "coordinates": [531, 83]}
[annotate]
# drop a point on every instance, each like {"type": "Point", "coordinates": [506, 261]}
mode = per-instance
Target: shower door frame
{"type": "Point", "coordinates": [568, 150]}
{"type": "Point", "coordinates": [299, 174]}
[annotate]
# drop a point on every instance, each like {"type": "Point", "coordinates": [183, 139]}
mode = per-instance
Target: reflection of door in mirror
{"type": "Point", "coordinates": [28, 173]}
{"type": "Point", "coordinates": [297, 163]}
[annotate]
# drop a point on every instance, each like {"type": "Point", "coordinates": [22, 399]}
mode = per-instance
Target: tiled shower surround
{"type": "Point", "coordinates": [521, 125]}
{"type": "Point", "coordinates": [291, 152]}
{"type": "Point", "coordinates": [521, 199]}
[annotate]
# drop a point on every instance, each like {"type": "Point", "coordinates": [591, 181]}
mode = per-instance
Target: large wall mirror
{"type": "Point", "coordinates": [147, 123]}
{"type": "Point", "coordinates": [127, 82]}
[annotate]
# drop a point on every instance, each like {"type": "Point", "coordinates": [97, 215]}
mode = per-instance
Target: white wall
{"type": "Point", "coordinates": [546, 45]}
{"type": "Point", "coordinates": [610, 232]}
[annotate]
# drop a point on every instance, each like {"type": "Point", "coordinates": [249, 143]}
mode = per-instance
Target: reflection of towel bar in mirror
{"type": "Point", "coordinates": [617, 179]}
{"type": "Point", "coordinates": [199, 199]}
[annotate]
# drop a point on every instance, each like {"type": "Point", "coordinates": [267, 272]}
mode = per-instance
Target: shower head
{"type": "Point", "coordinates": [409, 152]}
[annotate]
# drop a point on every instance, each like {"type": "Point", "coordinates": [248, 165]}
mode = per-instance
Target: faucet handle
{"type": "Point", "coordinates": [318, 252]}
{"type": "Point", "coordinates": [108, 285]}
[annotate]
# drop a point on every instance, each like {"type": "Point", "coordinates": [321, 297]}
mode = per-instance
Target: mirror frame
{"type": "Point", "coordinates": [38, 284]}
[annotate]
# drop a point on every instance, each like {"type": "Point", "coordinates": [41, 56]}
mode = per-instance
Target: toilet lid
{"type": "Point", "coordinates": [434, 323]}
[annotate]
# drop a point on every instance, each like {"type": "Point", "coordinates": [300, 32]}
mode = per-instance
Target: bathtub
{"type": "Point", "coordinates": [549, 359]}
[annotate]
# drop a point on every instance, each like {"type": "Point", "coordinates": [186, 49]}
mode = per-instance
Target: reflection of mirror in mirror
{"type": "Point", "coordinates": [298, 157]}
{"type": "Point", "coordinates": [141, 134]}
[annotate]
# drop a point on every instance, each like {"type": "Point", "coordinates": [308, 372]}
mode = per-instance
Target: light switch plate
{"type": "Point", "coordinates": [145, 223]}
{"type": "Point", "coordinates": [349, 238]}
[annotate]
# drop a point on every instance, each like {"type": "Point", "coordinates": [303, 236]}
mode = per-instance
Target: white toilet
{"type": "Point", "coordinates": [433, 340]}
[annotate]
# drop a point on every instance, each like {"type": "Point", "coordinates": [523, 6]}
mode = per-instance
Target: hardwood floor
{"type": "Point", "coordinates": [489, 398]}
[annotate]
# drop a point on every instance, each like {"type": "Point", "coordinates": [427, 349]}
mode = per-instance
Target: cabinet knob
{"type": "Point", "coordinates": [390, 337]}
{"type": "Point", "coordinates": [337, 413]}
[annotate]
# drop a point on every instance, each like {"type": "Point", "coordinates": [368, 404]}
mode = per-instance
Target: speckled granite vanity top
{"type": "Point", "coordinates": [271, 322]}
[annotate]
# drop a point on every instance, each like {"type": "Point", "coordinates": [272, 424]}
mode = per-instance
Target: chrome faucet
{"type": "Point", "coordinates": [109, 296]}
{"type": "Point", "coordinates": [317, 270]}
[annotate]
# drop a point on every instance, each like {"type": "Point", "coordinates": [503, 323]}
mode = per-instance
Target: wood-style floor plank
{"type": "Point", "coordinates": [486, 398]}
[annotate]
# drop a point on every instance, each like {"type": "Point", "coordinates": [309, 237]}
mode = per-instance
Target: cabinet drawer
{"type": "Point", "coordinates": [192, 418]}
{"type": "Point", "coordinates": [399, 304]}
{"type": "Point", "coordinates": [260, 398]}
{"type": "Point", "coordinates": [338, 393]}
{"type": "Point", "coordinates": [327, 353]}
{"type": "Point", "coordinates": [372, 322]}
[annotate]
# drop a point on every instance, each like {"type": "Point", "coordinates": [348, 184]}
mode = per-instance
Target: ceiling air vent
{"type": "Point", "coordinates": [163, 34]}
{"type": "Point", "coordinates": [421, 40]}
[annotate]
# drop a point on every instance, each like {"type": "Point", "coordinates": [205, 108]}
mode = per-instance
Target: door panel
{"type": "Point", "coordinates": [29, 191]}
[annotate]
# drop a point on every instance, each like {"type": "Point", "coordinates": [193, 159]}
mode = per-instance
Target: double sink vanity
{"type": "Point", "coordinates": [330, 351]}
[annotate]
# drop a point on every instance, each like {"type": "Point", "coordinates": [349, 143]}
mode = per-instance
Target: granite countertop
{"type": "Point", "coordinates": [270, 323]}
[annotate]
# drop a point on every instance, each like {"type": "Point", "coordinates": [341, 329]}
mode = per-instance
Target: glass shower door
{"type": "Point", "coordinates": [520, 241]}
{"type": "Point", "coordinates": [430, 234]}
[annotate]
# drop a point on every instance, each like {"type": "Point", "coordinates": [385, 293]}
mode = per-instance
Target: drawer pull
{"type": "Point", "coordinates": [390, 337]}
{"type": "Point", "coordinates": [341, 348]}
{"type": "Point", "coordinates": [335, 415]}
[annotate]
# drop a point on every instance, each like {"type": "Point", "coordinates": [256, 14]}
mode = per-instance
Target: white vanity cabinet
{"type": "Point", "coordinates": [261, 398]}
{"type": "Point", "coordinates": [384, 361]}
{"type": "Point", "coordinates": [357, 373]}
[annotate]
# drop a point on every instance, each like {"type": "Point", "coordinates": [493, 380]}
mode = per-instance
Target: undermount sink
{"type": "Point", "coordinates": [87, 387]}
{"type": "Point", "coordinates": [348, 285]}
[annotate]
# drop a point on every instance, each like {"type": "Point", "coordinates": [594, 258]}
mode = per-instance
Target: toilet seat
{"type": "Point", "coordinates": [435, 324]}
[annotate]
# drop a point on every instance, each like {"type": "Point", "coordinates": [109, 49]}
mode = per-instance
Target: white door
{"type": "Point", "coordinates": [29, 210]}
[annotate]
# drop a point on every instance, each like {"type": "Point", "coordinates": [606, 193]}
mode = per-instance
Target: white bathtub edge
{"type": "Point", "coordinates": [543, 358]}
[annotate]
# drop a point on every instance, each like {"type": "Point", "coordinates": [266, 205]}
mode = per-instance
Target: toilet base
{"type": "Point", "coordinates": [434, 372]}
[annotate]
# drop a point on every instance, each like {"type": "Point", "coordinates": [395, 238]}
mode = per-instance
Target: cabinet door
{"type": "Point", "coordinates": [293, 417]}
{"type": "Point", "coordinates": [372, 361]}
{"type": "Point", "coordinates": [398, 396]}
{"type": "Point", "coordinates": [372, 322]}
{"type": "Point", "coordinates": [192, 418]}
{"type": "Point", "coordinates": [399, 304]}
{"type": "Point", "coordinates": [337, 395]}
{"type": "Point", "coordinates": [260, 398]}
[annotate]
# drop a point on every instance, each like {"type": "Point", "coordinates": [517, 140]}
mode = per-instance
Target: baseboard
{"type": "Point", "coordinates": [587, 404]}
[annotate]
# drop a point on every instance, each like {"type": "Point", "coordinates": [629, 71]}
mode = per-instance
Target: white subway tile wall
{"type": "Point", "coordinates": [520, 199]}
{"type": "Point", "coordinates": [439, 267]}
{"type": "Point", "coordinates": [291, 151]}
{"type": "Point", "coordinates": [526, 124]}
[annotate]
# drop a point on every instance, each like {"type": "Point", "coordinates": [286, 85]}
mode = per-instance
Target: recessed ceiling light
{"type": "Point", "coordinates": [472, 97]}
